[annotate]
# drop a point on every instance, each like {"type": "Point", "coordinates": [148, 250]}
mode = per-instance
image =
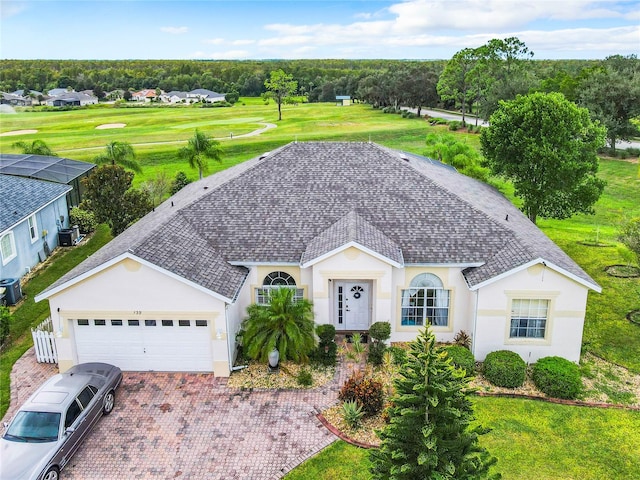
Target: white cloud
{"type": "Point", "coordinates": [175, 30]}
{"type": "Point", "coordinates": [10, 8]}
{"type": "Point", "coordinates": [215, 41]}
{"type": "Point", "coordinates": [225, 55]}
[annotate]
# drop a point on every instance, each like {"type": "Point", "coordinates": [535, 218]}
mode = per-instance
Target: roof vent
{"type": "Point", "coordinates": [404, 157]}
{"type": "Point", "coordinates": [265, 154]}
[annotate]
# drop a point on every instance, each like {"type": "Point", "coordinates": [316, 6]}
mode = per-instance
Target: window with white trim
{"type": "Point", "coordinates": [8, 248]}
{"type": "Point", "coordinates": [426, 301]}
{"type": "Point", "coordinates": [33, 228]}
{"type": "Point", "coordinates": [274, 281]}
{"type": "Point", "coordinates": [528, 318]}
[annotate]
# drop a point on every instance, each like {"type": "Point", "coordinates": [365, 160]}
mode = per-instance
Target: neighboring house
{"type": "Point", "coordinates": [366, 233]}
{"type": "Point", "coordinates": [33, 93]}
{"type": "Point", "coordinates": [175, 96]}
{"type": "Point", "coordinates": [146, 95]}
{"type": "Point", "coordinates": [75, 99]}
{"type": "Point", "coordinates": [204, 95]}
{"type": "Point", "coordinates": [30, 208]}
{"type": "Point", "coordinates": [14, 100]}
{"type": "Point", "coordinates": [343, 100]}
{"type": "Point", "coordinates": [52, 169]}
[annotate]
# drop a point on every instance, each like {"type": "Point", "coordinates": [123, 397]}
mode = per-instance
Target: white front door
{"type": "Point", "coordinates": [353, 305]}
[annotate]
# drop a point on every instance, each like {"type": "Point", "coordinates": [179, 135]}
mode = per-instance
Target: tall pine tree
{"type": "Point", "coordinates": [429, 434]}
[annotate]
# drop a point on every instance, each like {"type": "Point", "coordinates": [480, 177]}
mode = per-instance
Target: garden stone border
{"type": "Point", "coordinates": [636, 275]}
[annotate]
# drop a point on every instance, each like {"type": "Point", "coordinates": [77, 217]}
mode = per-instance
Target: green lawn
{"type": "Point", "coordinates": [532, 440]}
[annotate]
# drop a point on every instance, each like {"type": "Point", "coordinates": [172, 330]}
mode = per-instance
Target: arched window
{"type": "Point", "coordinates": [425, 301]}
{"type": "Point", "coordinates": [277, 280]}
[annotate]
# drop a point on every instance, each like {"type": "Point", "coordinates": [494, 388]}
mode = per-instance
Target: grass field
{"type": "Point", "coordinates": [531, 439]}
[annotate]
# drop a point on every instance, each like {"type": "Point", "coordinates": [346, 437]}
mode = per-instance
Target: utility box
{"type": "Point", "coordinates": [67, 237]}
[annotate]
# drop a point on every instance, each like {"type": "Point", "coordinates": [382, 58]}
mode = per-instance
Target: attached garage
{"type": "Point", "coordinates": [145, 344]}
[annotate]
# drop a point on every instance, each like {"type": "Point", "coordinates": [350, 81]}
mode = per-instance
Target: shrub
{"type": "Point", "coordinates": [326, 352]}
{"type": "Point", "coordinates": [557, 377]}
{"type": "Point", "coordinates": [504, 368]}
{"type": "Point", "coordinates": [455, 125]}
{"type": "Point", "coordinates": [380, 331]}
{"type": "Point", "coordinates": [326, 333]}
{"type": "Point", "coordinates": [364, 390]}
{"type": "Point", "coordinates": [85, 219]}
{"type": "Point", "coordinates": [462, 358]}
{"type": "Point", "coordinates": [399, 355]}
{"type": "Point", "coordinates": [305, 378]}
{"type": "Point", "coordinates": [376, 353]}
{"type": "Point", "coordinates": [179, 182]}
{"type": "Point", "coordinates": [352, 413]}
{"type": "Point", "coordinates": [462, 339]}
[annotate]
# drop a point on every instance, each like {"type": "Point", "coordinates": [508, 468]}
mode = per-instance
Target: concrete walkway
{"type": "Point", "coordinates": [192, 426]}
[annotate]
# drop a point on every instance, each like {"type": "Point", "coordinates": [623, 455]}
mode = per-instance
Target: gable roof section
{"type": "Point", "coordinates": [305, 200]}
{"type": "Point", "coordinates": [352, 229]}
{"type": "Point", "coordinates": [22, 197]}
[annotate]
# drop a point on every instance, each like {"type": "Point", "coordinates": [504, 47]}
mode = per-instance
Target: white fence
{"type": "Point", "coordinates": [44, 342]}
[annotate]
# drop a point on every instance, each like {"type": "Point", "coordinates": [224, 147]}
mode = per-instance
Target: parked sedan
{"type": "Point", "coordinates": [48, 429]}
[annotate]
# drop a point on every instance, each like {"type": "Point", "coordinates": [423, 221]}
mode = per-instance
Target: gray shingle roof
{"type": "Point", "coordinates": [306, 199]}
{"type": "Point", "coordinates": [21, 197]}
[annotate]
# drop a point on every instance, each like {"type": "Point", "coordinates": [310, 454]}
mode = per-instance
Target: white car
{"type": "Point", "coordinates": [51, 425]}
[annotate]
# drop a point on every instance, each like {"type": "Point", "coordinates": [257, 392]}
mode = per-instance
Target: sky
{"type": "Point", "coordinates": [301, 29]}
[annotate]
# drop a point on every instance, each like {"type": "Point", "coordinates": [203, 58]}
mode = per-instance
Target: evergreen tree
{"type": "Point", "coordinates": [428, 436]}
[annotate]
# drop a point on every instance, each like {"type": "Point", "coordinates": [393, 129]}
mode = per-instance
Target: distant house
{"type": "Point", "coordinates": [72, 99]}
{"type": "Point", "coordinates": [14, 100]}
{"type": "Point", "coordinates": [366, 233]}
{"type": "Point", "coordinates": [32, 212]}
{"type": "Point", "coordinates": [20, 93]}
{"type": "Point", "coordinates": [343, 100]}
{"type": "Point", "coordinates": [204, 95]}
{"type": "Point", "coordinates": [175, 96]}
{"type": "Point", "coordinates": [146, 95]}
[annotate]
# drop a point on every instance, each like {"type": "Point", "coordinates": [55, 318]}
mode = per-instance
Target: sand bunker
{"type": "Point", "coordinates": [17, 132]}
{"type": "Point", "coordinates": [111, 125]}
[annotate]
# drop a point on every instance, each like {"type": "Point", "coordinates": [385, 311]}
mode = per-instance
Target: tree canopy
{"type": "Point", "coordinates": [119, 153]}
{"type": "Point", "coordinates": [548, 147]}
{"type": "Point", "coordinates": [199, 149]}
{"type": "Point", "coordinates": [280, 86]}
{"type": "Point", "coordinates": [108, 194]}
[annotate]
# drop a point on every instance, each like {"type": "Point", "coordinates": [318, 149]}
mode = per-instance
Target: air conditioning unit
{"type": "Point", "coordinates": [13, 292]}
{"type": "Point", "coordinates": [67, 237]}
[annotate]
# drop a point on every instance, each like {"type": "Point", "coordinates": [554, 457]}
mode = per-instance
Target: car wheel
{"type": "Point", "coordinates": [109, 402]}
{"type": "Point", "coordinates": [52, 474]}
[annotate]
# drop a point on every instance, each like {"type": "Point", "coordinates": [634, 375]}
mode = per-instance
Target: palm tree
{"type": "Point", "coordinates": [199, 148]}
{"type": "Point", "coordinates": [285, 324]}
{"type": "Point", "coordinates": [119, 153]}
{"type": "Point", "coordinates": [37, 147]}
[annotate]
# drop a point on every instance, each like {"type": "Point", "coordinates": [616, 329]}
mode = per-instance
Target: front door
{"type": "Point", "coordinates": [353, 305]}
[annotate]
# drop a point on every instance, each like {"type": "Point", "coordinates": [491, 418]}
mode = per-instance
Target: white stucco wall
{"type": "Point", "coordinates": [131, 290]}
{"type": "Point", "coordinates": [564, 325]}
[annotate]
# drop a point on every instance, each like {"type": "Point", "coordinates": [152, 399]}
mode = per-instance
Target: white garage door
{"type": "Point", "coordinates": [145, 344]}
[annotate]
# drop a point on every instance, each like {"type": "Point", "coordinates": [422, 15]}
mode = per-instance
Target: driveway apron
{"type": "Point", "coordinates": [192, 426]}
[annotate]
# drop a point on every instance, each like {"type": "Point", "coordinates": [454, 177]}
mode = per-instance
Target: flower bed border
{"type": "Point", "coordinates": [632, 275]}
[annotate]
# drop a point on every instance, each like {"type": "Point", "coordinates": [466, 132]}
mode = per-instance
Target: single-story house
{"type": "Point", "coordinates": [14, 100]}
{"type": "Point", "coordinates": [55, 92]}
{"type": "Point", "coordinates": [146, 95]}
{"type": "Point", "coordinates": [205, 95]}
{"type": "Point", "coordinates": [76, 99]}
{"type": "Point", "coordinates": [32, 212]}
{"type": "Point", "coordinates": [343, 100]}
{"type": "Point", "coordinates": [364, 232]}
{"type": "Point", "coordinates": [176, 96]}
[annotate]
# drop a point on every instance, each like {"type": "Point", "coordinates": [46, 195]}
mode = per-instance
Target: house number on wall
{"type": "Point", "coordinates": [137, 312]}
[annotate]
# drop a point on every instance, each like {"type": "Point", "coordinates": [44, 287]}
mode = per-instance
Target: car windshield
{"type": "Point", "coordinates": [34, 427]}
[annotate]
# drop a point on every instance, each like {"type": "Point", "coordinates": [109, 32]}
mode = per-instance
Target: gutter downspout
{"type": "Point", "coordinates": [475, 323]}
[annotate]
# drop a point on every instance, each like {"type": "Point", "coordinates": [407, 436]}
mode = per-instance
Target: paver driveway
{"type": "Point", "coordinates": [191, 426]}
